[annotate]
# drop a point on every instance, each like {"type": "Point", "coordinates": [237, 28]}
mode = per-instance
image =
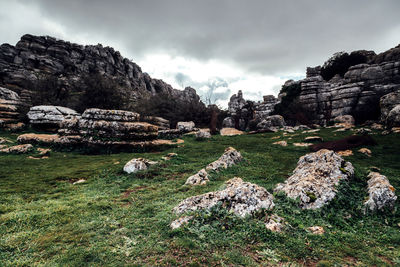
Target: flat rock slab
{"type": "Point", "coordinates": [230, 132]}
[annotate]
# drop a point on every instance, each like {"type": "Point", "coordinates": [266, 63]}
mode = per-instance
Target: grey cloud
{"type": "Point", "coordinates": [267, 37]}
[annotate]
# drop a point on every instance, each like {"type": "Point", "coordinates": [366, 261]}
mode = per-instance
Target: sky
{"type": "Point", "coordinates": [215, 46]}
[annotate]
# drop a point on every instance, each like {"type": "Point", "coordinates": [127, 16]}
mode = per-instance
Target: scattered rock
{"type": "Point", "coordinates": [363, 131]}
{"type": "Point", "coordinates": [302, 144]}
{"type": "Point", "coordinates": [185, 126]}
{"type": "Point", "coordinates": [396, 129]}
{"type": "Point", "coordinates": [180, 221]}
{"type": "Point", "coordinates": [315, 178]}
{"type": "Point", "coordinates": [230, 157]}
{"type": "Point", "coordinates": [80, 181]}
{"type": "Point", "coordinates": [313, 139]}
{"type": "Point", "coordinates": [311, 131]}
{"type": "Point", "coordinates": [387, 103]}
{"type": "Point", "coordinates": [241, 198]}
{"type": "Point", "coordinates": [376, 126]}
{"type": "Point", "coordinates": [346, 121]}
{"type": "Point", "coordinates": [341, 130]}
{"type": "Point", "coordinates": [393, 119]}
{"type": "Point", "coordinates": [365, 151]}
{"type": "Point", "coordinates": [275, 223]}
{"type": "Point", "coordinates": [139, 164]}
{"type": "Point", "coordinates": [18, 149]}
{"type": "Point", "coordinates": [281, 143]}
{"type": "Point", "coordinates": [44, 151]}
{"type": "Point", "coordinates": [202, 134]}
{"type": "Point", "coordinates": [230, 132]}
{"type": "Point", "coordinates": [4, 140]}
{"type": "Point", "coordinates": [345, 153]}
{"type": "Point", "coordinates": [316, 230]}
{"type": "Point", "coordinates": [381, 192]}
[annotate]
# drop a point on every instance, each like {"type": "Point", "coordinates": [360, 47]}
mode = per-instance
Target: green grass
{"type": "Point", "coordinates": [116, 219]}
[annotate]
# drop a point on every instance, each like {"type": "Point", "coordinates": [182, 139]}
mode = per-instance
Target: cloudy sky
{"type": "Point", "coordinates": [215, 46]}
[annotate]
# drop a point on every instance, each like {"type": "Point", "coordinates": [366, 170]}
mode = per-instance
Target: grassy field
{"type": "Point", "coordinates": [116, 219]}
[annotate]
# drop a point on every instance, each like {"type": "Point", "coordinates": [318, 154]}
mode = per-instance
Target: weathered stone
{"type": "Point", "coordinates": [230, 157]}
{"type": "Point", "coordinates": [387, 103]}
{"type": "Point", "coordinates": [169, 156]}
{"type": "Point", "coordinates": [49, 117]}
{"type": "Point", "coordinates": [365, 151]}
{"type": "Point", "coordinates": [281, 143]}
{"type": "Point", "coordinates": [344, 119]}
{"type": "Point", "coordinates": [203, 134]}
{"type": "Point", "coordinates": [161, 123]}
{"type": "Point", "coordinates": [18, 149]}
{"type": "Point", "coordinates": [313, 139]}
{"type": "Point", "coordinates": [200, 178]}
{"type": "Point", "coordinates": [381, 192]}
{"type": "Point", "coordinates": [275, 223]}
{"type": "Point", "coordinates": [241, 198]}
{"type": "Point", "coordinates": [185, 126]}
{"type": "Point", "coordinates": [272, 123]}
{"type": "Point", "coordinates": [302, 144]}
{"type": "Point", "coordinates": [230, 132]}
{"type": "Point", "coordinates": [393, 119]}
{"type": "Point", "coordinates": [110, 115]}
{"type": "Point", "coordinates": [316, 230]}
{"type": "Point", "coordinates": [345, 153]}
{"type": "Point", "coordinates": [139, 164]}
{"type": "Point", "coordinates": [315, 178]}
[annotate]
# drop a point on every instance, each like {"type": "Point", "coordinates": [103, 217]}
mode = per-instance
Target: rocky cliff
{"type": "Point", "coordinates": [349, 84]}
{"type": "Point", "coordinates": [33, 56]}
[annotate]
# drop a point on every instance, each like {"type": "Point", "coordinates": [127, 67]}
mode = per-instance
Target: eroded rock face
{"type": "Point", "coordinates": [241, 198]}
{"type": "Point", "coordinates": [202, 134]}
{"type": "Point", "coordinates": [355, 93]}
{"type": "Point", "coordinates": [230, 157]}
{"type": "Point", "coordinates": [139, 164]}
{"type": "Point", "coordinates": [245, 113]}
{"type": "Point", "coordinates": [34, 56]}
{"type": "Point", "coordinates": [381, 192]}
{"type": "Point", "coordinates": [315, 178]}
{"type": "Point", "coordinates": [393, 119]}
{"type": "Point", "coordinates": [50, 117]}
{"type": "Point", "coordinates": [10, 104]}
{"type": "Point", "coordinates": [387, 103]}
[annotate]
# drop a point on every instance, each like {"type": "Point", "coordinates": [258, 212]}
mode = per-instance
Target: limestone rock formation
{"type": "Point", "coordinates": [271, 123]}
{"type": "Point", "coordinates": [381, 192]}
{"type": "Point", "coordinates": [203, 134]}
{"type": "Point", "coordinates": [35, 56]}
{"type": "Point", "coordinates": [230, 157]}
{"type": "Point", "coordinates": [243, 114]}
{"type": "Point", "coordinates": [10, 104]}
{"type": "Point", "coordinates": [387, 103]}
{"type": "Point", "coordinates": [49, 117]}
{"type": "Point", "coordinates": [315, 178]}
{"type": "Point", "coordinates": [139, 164]}
{"type": "Point", "coordinates": [18, 149]}
{"type": "Point", "coordinates": [241, 198]}
{"type": "Point", "coordinates": [355, 92]}
{"type": "Point", "coordinates": [161, 123]}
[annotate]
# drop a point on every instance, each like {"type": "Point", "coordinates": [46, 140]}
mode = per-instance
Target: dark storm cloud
{"type": "Point", "coordinates": [267, 37]}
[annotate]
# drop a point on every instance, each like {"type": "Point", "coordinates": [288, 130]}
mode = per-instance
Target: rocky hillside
{"type": "Point", "coordinates": [347, 84]}
{"type": "Point", "coordinates": [34, 56]}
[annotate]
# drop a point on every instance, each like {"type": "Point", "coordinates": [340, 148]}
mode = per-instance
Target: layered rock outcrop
{"type": "Point", "coordinates": [35, 56]}
{"type": "Point", "coordinates": [356, 92]}
{"type": "Point", "coordinates": [246, 114]}
{"type": "Point", "coordinates": [49, 117]}
{"type": "Point", "coordinates": [10, 104]}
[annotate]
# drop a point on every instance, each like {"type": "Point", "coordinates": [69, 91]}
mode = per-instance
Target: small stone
{"type": "Point", "coordinates": [80, 181]}
{"type": "Point", "coordinates": [281, 143]}
{"type": "Point", "coordinates": [345, 153]}
{"type": "Point", "coordinates": [180, 221]}
{"type": "Point", "coordinates": [44, 151]}
{"type": "Point", "coordinates": [275, 223]}
{"type": "Point", "coordinates": [137, 164]}
{"type": "Point", "coordinates": [376, 126]}
{"type": "Point", "coordinates": [316, 230]}
{"type": "Point", "coordinates": [365, 151]}
{"type": "Point", "coordinates": [200, 178]}
{"type": "Point", "coordinates": [311, 131]}
{"type": "Point", "coordinates": [302, 144]}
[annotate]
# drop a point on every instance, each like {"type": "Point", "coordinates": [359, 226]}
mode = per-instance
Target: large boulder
{"type": "Point", "coordinates": [393, 119]}
{"type": "Point", "coordinates": [316, 177]}
{"type": "Point", "coordinates": [241, 198]}
{"type": "Point", "coordinates": [381, 192]}
{"type": "Point", "coordinates": [271, 123]}
{"type": "Point", "coordinates": [185, 126]}
{"type": "Point", "coordinates": [387, 103]}
{"type": "Point", "coordinates": [49, 117]}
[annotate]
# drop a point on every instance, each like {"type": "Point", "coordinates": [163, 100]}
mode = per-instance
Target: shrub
{"type": "Point", "coordinates": [340, 63]}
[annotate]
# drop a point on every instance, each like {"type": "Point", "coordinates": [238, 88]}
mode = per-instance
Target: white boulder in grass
{"type": "Point", "coordinates": [138, 164]}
